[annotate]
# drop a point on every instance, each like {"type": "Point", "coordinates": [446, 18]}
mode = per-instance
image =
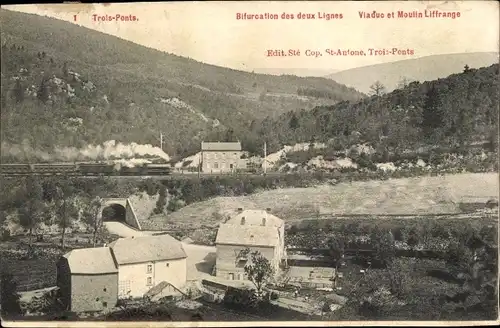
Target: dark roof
{"type": "Point", "coordinates": [254, 217]}
{"type": "Point", "coordinates": [147, 248]}
{"type": "Point", "coordinates": [91, 261]}
{"type": "Point", "coordinates": [250, 235]}
{"type": "Point", "coordinates": [221, 146]}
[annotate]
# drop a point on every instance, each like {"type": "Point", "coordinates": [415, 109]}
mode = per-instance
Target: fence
{"type": "Point", "coordinates": [324, 253]}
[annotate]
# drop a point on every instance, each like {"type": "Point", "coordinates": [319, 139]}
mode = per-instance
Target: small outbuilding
{"type": "Point", "coordinates": [88, 280]}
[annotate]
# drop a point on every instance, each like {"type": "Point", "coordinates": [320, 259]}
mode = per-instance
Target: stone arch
{"type": "Point", "coordinates": [114, 212]}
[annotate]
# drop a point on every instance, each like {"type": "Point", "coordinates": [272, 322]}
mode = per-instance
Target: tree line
{"type": "Point", "coordinates": [456, 110]}
{"type": "Point", "coordinates": [35, 201]}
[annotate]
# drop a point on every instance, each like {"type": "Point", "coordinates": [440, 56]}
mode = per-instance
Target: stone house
{"type": "Point", "coordinates": [253, 229]}
{"type": "Point", "coordinates": [221, 157]}
{"type": "Point", "coordinates": [88, 280]}
{"type": "Point", "coordinates": [145, 262]}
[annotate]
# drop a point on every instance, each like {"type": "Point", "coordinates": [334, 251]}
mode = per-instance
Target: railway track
{"type": "Point", "coordinates": [96, 170]}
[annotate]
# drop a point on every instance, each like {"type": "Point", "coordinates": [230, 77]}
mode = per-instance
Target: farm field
{"type": "Point", "coordinates": [422, 195]}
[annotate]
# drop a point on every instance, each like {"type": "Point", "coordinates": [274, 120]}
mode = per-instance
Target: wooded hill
{"type": "Point", "coordinates": [66, 85]}
{"type": "Point", "coordinates": [453, 111]}
{"type": "Point", "coordinates": [419, 69]}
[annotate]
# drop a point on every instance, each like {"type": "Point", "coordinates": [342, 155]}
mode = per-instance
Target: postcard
{"type": "Point", "coordinates": [249, 163]}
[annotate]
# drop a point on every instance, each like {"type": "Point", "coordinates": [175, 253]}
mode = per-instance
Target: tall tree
{"type": "Point", "coordinates": [18, 92]}
{"type": "Point", "coordinates": [258, 269]}
{"type": "Point", "coordinates": [336, 247]}
{"type": "Point", "coordinates": [92, 218]}
{"type": "Point", "coordinates": [432, 114]}
{"type": "Point", "coordinates": [65, 69]}
{"type": "Point", "coordinates": [377, 89]}
{"type": "Point", "coordinates": [32, 213]}
{"type": "Point", "coordinates": [229, 137]}
{"type": "Point", "coordinates": [294, 122]}
{"type": "Point", "coordinates": [43, 91]}
{"type": "Point", "coordinates": [384, 246]}
{"type": "Point", "coordinates": [65, 206]}
{"type": "Point", "coordinates": [404, 82]}
{"type": "Point", "coordinates": [9, 297]}
{"type": "Point", "coordinates": [162, 200]}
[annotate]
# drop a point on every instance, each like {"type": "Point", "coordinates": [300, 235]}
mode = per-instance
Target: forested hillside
{"type": "Point", "coordinates": [453, 111]}
{"type": "Point", "coordinates": [67, 85]}
{"type": "Point", "coordinates": [419, 69]}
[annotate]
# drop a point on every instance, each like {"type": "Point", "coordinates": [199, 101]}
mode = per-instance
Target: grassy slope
{"type": "Point", "coordinates": [419, 69]}
{"type": "Point", "coordinates": [425, 195]}
{"type": "Point", "coordinates": [128, 73]}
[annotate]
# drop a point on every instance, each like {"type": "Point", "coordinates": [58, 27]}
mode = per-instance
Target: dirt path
{"type": "Point", "coordinates": [123, 230]}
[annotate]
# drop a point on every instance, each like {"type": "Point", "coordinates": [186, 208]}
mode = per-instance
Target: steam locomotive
{"type": "Point", "coordinates": [85, 169]}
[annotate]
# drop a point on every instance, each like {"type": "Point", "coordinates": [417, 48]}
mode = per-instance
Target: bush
{"type": "Point", "coordinates": [5, 234]}
{"type": "Point", "coordinates": [9, 297]}
{"type": "Point", "coordinates": [175, 204]}
{"type": "Point", "coordinates": [240, 298]}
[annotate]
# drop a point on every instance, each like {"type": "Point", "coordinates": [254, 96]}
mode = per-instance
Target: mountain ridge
{"type": "Point", "coordinates": [139, 91]}
{"type": "Point", "coordinates": [417, 69]}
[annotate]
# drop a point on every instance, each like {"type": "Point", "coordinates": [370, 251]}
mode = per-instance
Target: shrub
{"type": "Point", "coordinates": [9, 297]}
{"type": "Point", "coordinates": [5, 234]}
{"type": "Point", "coordinates": [240, 298]}
{"type": "Point", "coordinates": [174, 205]}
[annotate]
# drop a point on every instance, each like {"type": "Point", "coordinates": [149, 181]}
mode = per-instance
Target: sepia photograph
{"type": "Point", "coordinates": [239, 163]}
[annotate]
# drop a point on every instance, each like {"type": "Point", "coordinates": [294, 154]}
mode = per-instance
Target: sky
{"type": "Point", "coordinates": [209, 32]}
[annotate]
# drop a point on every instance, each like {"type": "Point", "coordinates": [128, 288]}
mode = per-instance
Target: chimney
{"type": "Point", "coordinates": [240, 209]}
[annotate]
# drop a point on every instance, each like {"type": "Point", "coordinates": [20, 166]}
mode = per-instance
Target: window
{"type": "Point", "coordinates": [149, 281]}
{"type": "Point", "coordinates": [150, 268]}
{"type": "Point", "coordinates": [104, 289]}
{"type": "Point", "coordinates": [216, 165]}
{"type": "Point", "coordinates": [167, 265]}
{"type": "Point", "coordinates": [97, 299]}
{"type": "Point", "coordinates": [105, 304]}
{"type": "Point", "coordinates": [231, 166]}
{"type": "Point", "coordinates": [243, 220]}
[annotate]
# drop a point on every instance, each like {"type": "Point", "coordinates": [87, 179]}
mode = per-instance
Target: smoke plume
{"type": "Point", "coordinates": [109, 150]}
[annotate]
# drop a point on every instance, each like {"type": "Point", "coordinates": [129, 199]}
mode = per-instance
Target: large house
{"type": "Point", "coordinates": [93, 279]}
{"type": "Point", "coordinates": [88, 279]}
{"type": "Point", "coordinates": [256, 230]}
{"type": "Point", "coordinates": [145, 262]}
{"type": "Point", "coordinates": [221, 157]}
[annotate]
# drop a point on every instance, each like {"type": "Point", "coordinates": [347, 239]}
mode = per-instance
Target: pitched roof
{"type": "Point", "coordinates": [254, 217]}
{"type": "Point", "coordinates": [250, 235]}
{"type": "Point", "coordinates": [147, 248]}
{"type": "Point", "coordinates": [221, 146]}
{"type": "Point", "coordinates": [91, 261]}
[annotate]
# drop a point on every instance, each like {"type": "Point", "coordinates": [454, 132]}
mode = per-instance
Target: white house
{"type": "Point", "coordinates": [262, 218]}
{"type": "Point", "coordinates": [145, 262]}
{"type": "Point", "coordinates": [256, 230]}
{"type": "Point", "coordinates": [221, 157]}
